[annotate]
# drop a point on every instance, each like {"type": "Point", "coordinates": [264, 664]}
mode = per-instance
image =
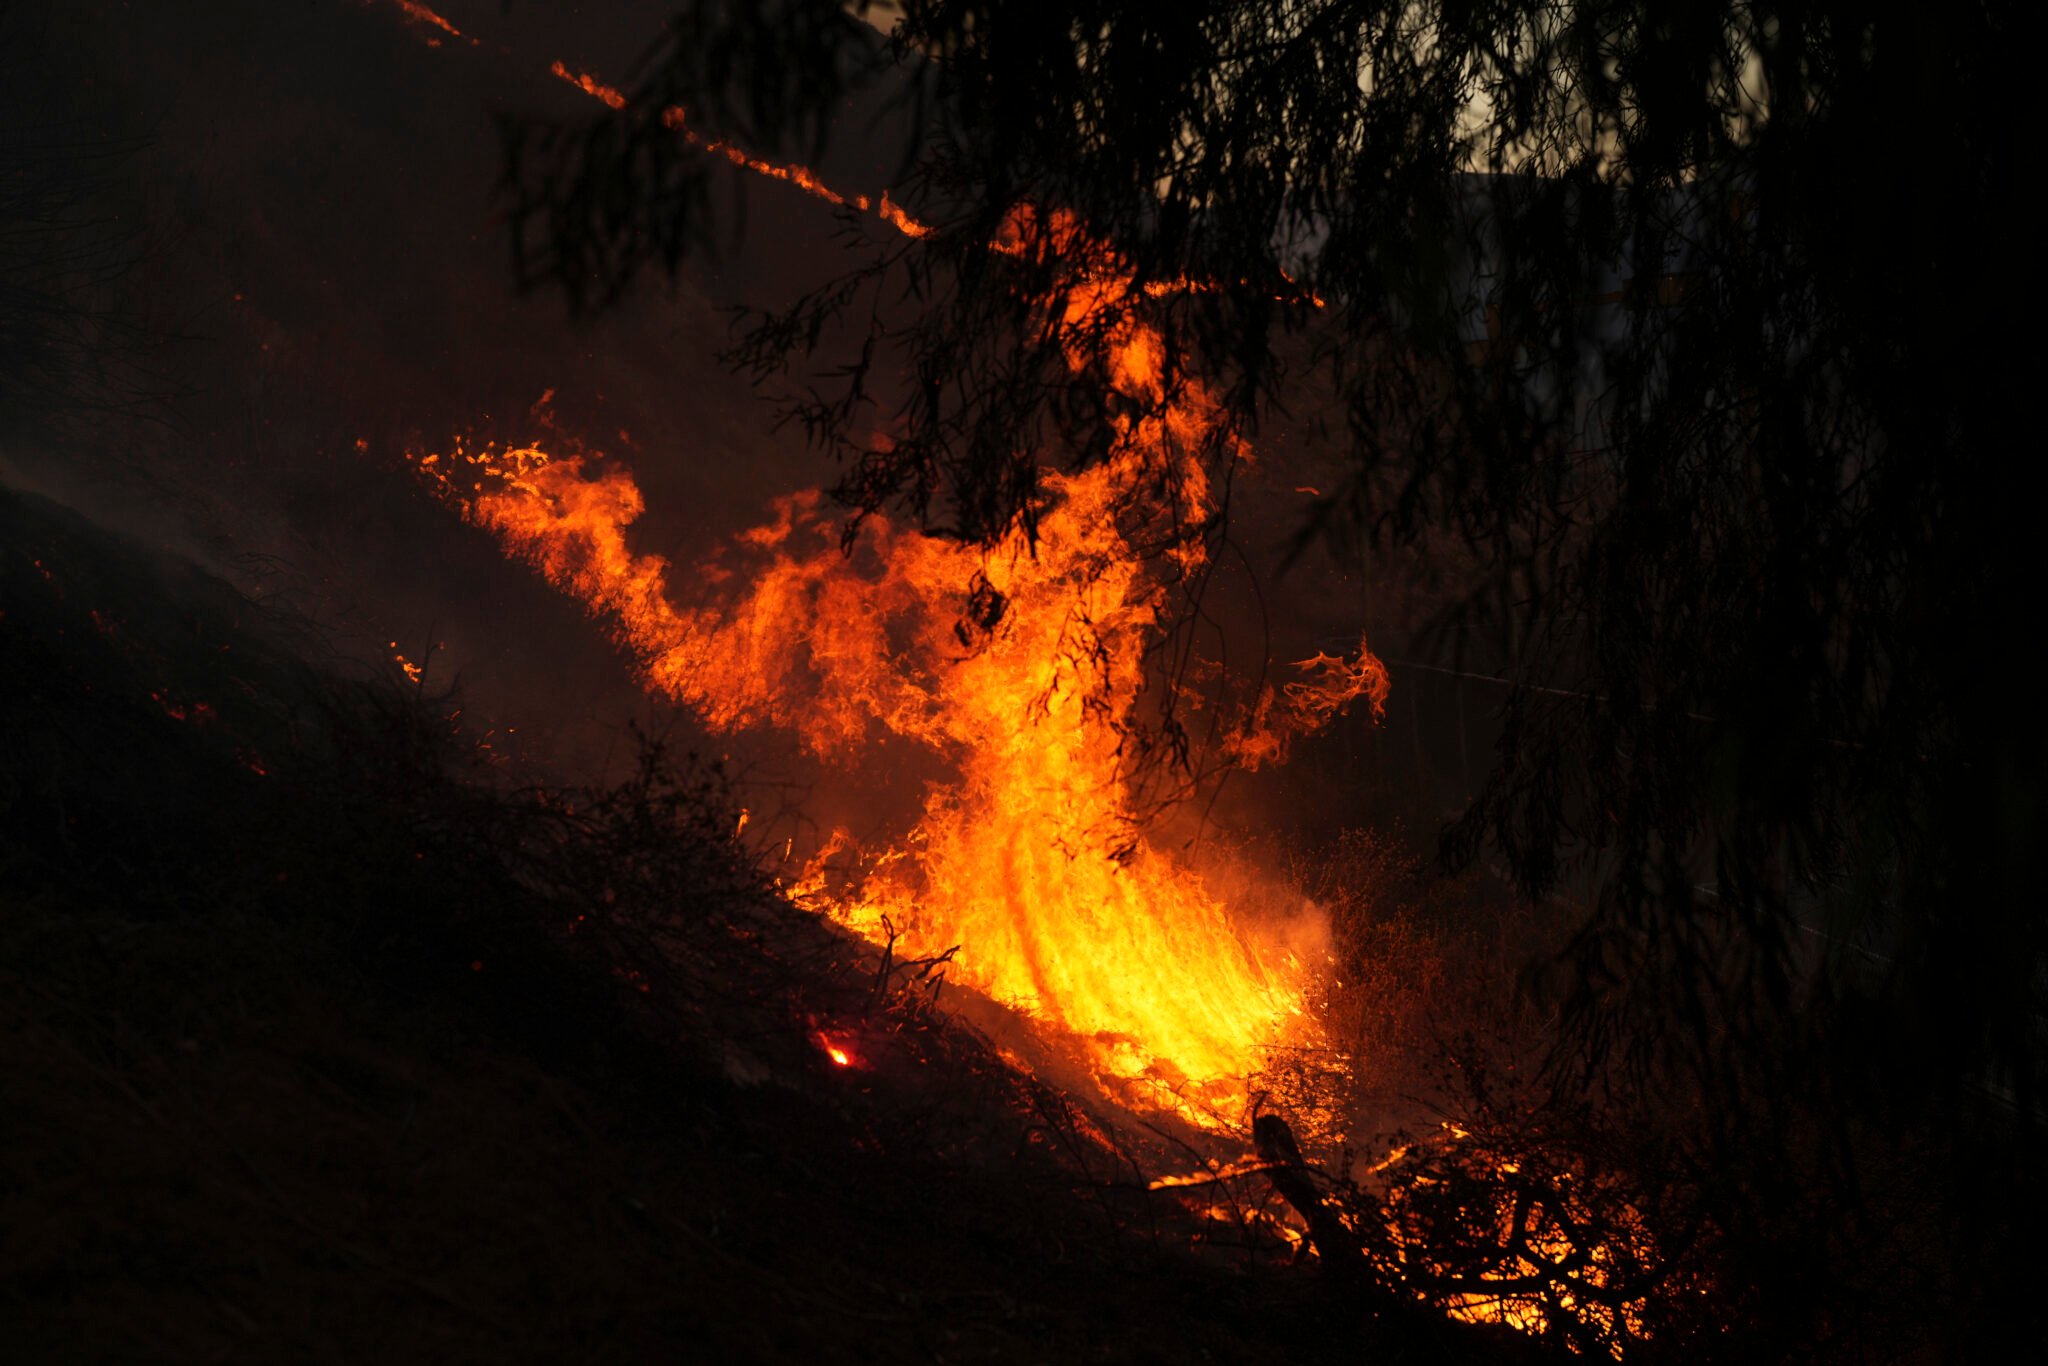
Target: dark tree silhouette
{"type": "Point", "coordinates": [1699, 321]}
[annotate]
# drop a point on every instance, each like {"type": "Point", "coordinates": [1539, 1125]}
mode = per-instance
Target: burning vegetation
{"type": "Point", "coordinates": [625, 937]}
{"type": "Point", "coordinates": [1031, 1055]}
{"type": "Point", "coordinates": [1019, 667]}
{"type": "Point", "coordinates": [1030, 876]}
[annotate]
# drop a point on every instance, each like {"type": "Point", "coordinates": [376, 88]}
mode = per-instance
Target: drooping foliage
{"type": "Point", "coordinates": [1695, 320]}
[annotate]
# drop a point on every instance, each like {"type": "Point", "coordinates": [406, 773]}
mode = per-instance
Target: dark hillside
{"type": "Point", "coordinates": [324, 1040]}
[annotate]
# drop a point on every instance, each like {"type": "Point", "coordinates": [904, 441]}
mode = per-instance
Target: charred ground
{"type": "Point", "coordinates": [323, 1039]}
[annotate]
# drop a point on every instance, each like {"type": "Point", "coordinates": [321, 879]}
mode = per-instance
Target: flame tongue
{"type": "Point", "coordinates": [1135, 957]}
{"type": "Point", "coordinates": [1028, 857]}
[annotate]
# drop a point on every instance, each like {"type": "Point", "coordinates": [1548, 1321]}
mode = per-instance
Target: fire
{"type": "Point", "coordinates": [1030, 857]}
{"type": "Point", "coordinates": [1529, 1241]}
{"type": "Point", "coordinates": [677, 119]}
{"type": "Point", "coordinates": [608, 96]}
{"type": "Point", "coordinates": [420, 14]}
{"type": "Point", "coordinates": [415, 674]}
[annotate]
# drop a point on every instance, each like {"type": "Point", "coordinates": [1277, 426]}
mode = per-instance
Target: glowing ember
{"type": "Point", "coordinates": [677, 120]}
{"type": "Point", "coordinates": [1525, 1241]}
{"type": "Point", "coordinates": [427, 18]}
{"type": "Point", "coordinates": [1029, 858]}
{"type": "Point", "coordinates": [414, 673]}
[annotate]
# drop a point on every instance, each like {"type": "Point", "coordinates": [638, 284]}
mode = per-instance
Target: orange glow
{"type": "Point", "coordinates": [677, 119]}
{"type": "Point", "coordinates": [1029, 853]}
{"type": "Point", "coordinates": [414, 673]}
{"type": "Point", "coordinates": [420, 14]}
{"type": "Point", "coordinates": [896, 217]}
{"type": "Point", "coordinates": [1030, 856]}
{"type": "Point", "coordinates": [591, 86]}
{"type": "Point", "coordinates": [1563, 1248]}
{"type": "Point", "coordinates": [838, 1053]}
{"type": "Point", "coordinates": [199, 713]}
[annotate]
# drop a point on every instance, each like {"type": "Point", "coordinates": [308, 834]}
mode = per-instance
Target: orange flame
{"type": "Point", "coordinates": [609, 96]}
{"type": "Point", "coordinates": [677, 119]}
{"type": "Point", "coordinates": [420, 14]}
{"type": "Point", "coordinates": [1025, 859]}
{"type": "Point", "coordinates": [1565, 1252]}
{"type": "Point", "coordinates": [1028, 858]}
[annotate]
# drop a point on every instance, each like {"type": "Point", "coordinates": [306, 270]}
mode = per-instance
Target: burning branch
{"type": "Point", "coordinates": [924, 974]}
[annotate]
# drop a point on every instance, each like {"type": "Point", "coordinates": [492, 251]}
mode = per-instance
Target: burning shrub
{"type": "Point", "coordinates": [1544, 1224]}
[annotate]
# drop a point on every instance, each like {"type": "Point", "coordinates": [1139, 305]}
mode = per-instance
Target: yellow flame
{"type": "Point", "coordinates": [1027, 858]}
{"type": "Point", "coordinates": [1022, 859]}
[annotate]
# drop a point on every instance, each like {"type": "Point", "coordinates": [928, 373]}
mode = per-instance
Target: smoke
{"type": "Point", "coordinates": [325, 180]}
{"type": "Point", "coordinates": [332, 282]}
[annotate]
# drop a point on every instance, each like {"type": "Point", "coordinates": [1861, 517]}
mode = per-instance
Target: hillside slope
{"type": "Point", "coordinates": [325, 1040]}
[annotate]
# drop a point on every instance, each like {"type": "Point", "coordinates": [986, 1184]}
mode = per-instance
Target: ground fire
{"type": "Point", "coordinates": [1029, 872]}
{"type": "Point", "coordinates": [1003, 681]}
{"type": "Point", "coordinates": [1029, 858]}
